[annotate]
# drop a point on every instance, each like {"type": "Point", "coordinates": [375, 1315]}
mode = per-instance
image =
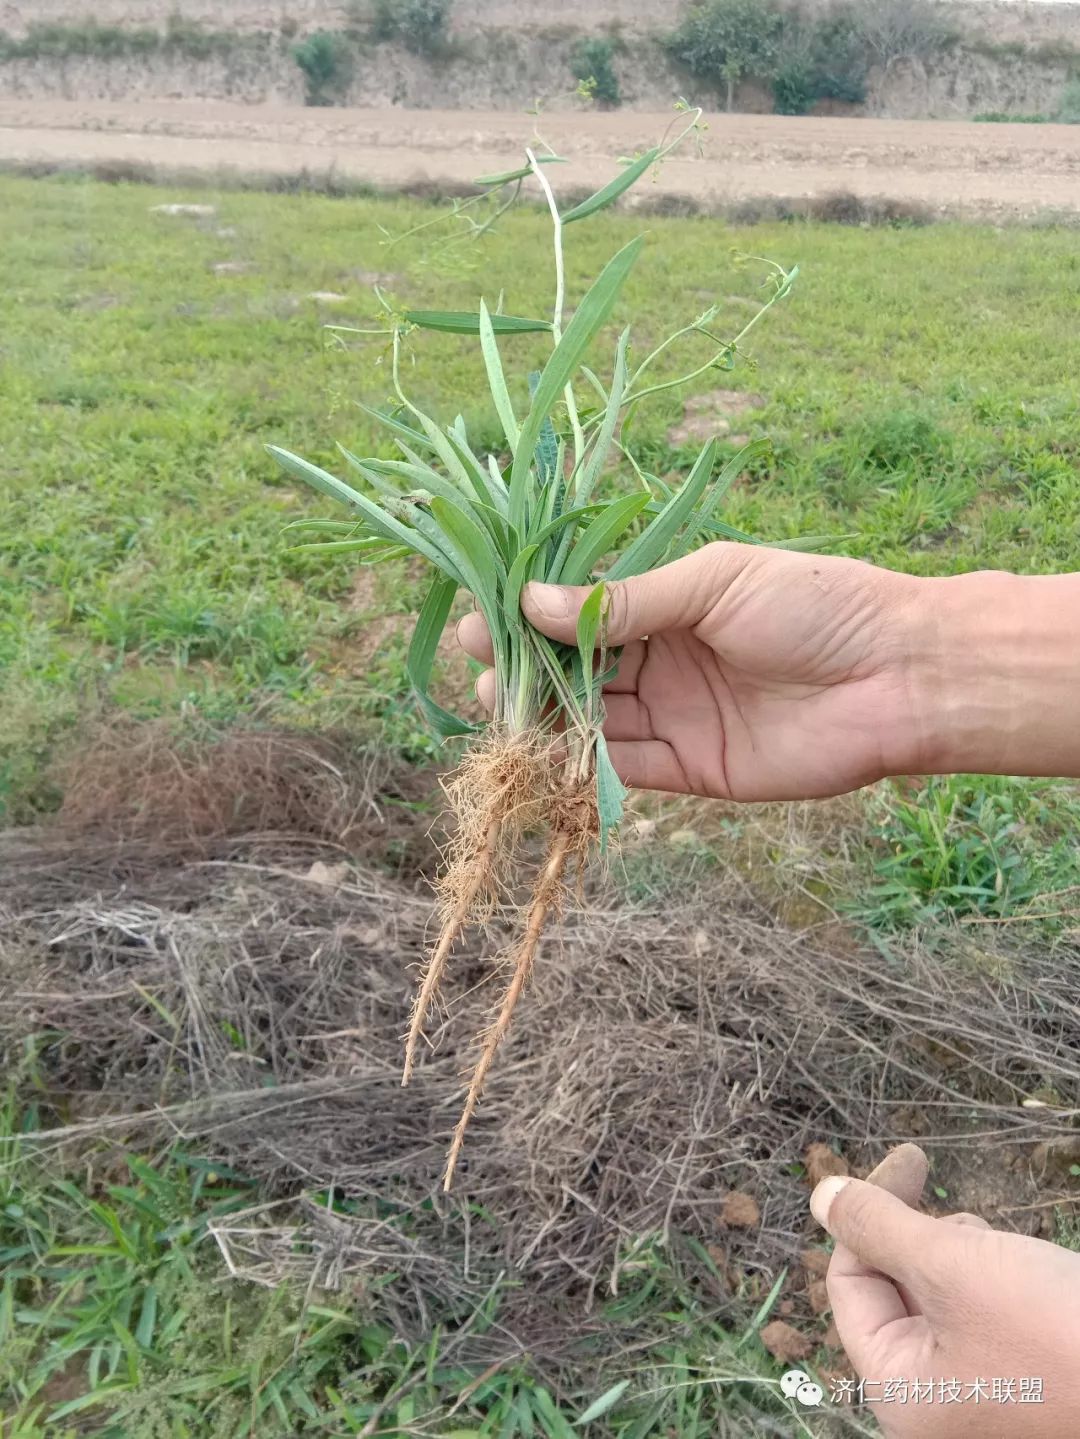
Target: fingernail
{"type": "Point", "coordinates": [551, 602]}
{"type": "Point", "coordinates": [824, 1194]}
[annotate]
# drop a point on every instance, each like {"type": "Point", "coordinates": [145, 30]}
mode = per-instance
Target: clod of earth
{"type": "Point", "coordinates": [821, 1161]}
{"type": "Point", "coordinates": [740, 1211]}
{"type": "Point", "coordinates": [784, 1342]}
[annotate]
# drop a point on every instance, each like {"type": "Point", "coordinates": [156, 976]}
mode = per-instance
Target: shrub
{"type": "Point", "coordinates": [88, 39]}
{"type": "Point", "coordinates": [1069, 109]}
{"type": "Point", "coordinates": [825, 61]}
{"type": "Point", "coordinates": [840, 60]}
{"type": "Point", "coordinates": [725, 41]}
{"type": "Point", "coordinates": [794, 84]}
{"type": "Point", "coordinates": [420, 25]}
{"type": "Point", "coordinates": [1002, 117]}
{"type": "Point", "coordinates": [592, 66]}
{"type": "Point", "coordinates": [325, 57]}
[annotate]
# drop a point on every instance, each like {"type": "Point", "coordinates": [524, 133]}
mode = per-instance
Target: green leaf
{"type": "Point", "coordinates": [489, 346]}
{"type": "Point", "coordinates": [476, 560]}
{"type": "Point", "coordinates": [599, 537]}
{"type": "Point", "coordinates": [590, 315]}
{"type": "Point", "coordinates": [318, 478]}
{"type": "Point", "coordinates": [144, 1332]}
{"type": "Point", "coordinates": [810, 544]}
{"type": "Point", "coordinates": [611, 796]}
{"type": "Point", "coordinates": [430, 623]}
{"type": "Point", "coordinates": [520, 572]}
{"type": "Point", "coordinates": [467, 322]}
{"type": "Point", "coordinates": [555, 1423]}
{"type": "Point", "coordinates": [394, 425]}
{"type": "Point", "coordinates": [490, 491]}
{"type": "Point", "coordinates": [343, 547]}
{"type": "Point", "coordinates": [652, 544]}
{"type": "Point", "coordinates": [588, 627]}
{"type": "Point", "coordinates": [719, 488]}
{"type": "Point", "coordinates": [607, 1400]}
{"type": "Point", "coordinates": [763, 1311]}
{"type": "Point", "coordinates": [378, 519]}
{"type": "Point", "coordinates": [521, 173]}
{"type": "Point", "coordinates": [326, 527]}
{"type": "Point", "coordinates": [541, 532]}
{"type": "Point", "coordinates": [602, 445]}
{"type": "Point", "coordinates": [613, 189]}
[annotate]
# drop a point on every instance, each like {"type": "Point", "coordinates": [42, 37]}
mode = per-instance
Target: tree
{"type": "Point", "coordinates": [728, 40]}
{"type": "Point", "coordinates": [326, 59]}
{"type": "Point", "coordinates": [900, 29]}
{"type": "Point", "coordinates": [592, 64]}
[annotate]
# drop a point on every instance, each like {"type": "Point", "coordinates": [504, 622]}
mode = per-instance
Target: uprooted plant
{"type": "Point", "coordinates": [552, 513]}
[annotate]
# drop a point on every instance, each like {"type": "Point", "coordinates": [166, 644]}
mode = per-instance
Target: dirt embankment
{"type": "Point", "coordinates": [1004, 171]}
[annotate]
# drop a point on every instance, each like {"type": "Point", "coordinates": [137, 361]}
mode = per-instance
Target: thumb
{"type": "Point", "coordinates": [675, 597]}
{"type": "Point", "coordinates": [879, 1230]}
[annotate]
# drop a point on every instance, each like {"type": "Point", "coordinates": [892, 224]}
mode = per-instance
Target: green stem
{"type": "Point", "coordinates": [731, 347]}
{"type": "Point", "coordinates": [560, 302]}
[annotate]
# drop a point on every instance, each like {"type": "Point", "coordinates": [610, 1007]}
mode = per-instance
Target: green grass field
{"type": "Point", "coordinates": [919, 390]}
{"type": "Point", "coordinates": [917, 387]}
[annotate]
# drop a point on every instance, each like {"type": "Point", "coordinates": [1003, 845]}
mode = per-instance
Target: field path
{"type": "Point", "coordinates": [953, 167]}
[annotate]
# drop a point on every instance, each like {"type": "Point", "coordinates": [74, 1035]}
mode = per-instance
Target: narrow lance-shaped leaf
{"type": "Point", "coordinates": [521, 173]}
{"type": "Point", "coordinates": [430, 624]}
{"type": "Point", "coordinates": [396, 426]}
{"type": "Point", "coordinates": [489, 346]}
{"type": "Point", "coordinates": [327, 527]}
{"type": "Point", "coordinates": [547, 443]}
{"type": "Point", "coordinates": [564, 360]}
{"type": "Point", "coordinates": [477, 562]}
{"type": "Point", "coordinates": [607, 1400]}
{"type": "Point", "coordinates": [520, 571]}
{"type": "Point", "coordinates": [467, 322]}
{"type": "Point", "coordinates": [373, 545]}
{"type": "Point", "coordinates": [652, 544]}
{"type": "Point", "coordinates": [598, 538]}
{"type": "Point", "coordinates": [588, 630]}
{"type": "Point", "coordinates": [700, 518]}
{"type": "Point", "coordinates": [613, 189]}
{"type": "Point", "coordinates": [378, 519]}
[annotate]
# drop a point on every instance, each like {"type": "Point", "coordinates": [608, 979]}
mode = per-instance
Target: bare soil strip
{"type": "Point", "coordinates": [992, 171]}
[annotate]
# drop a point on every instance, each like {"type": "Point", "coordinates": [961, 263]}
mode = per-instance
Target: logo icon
{"type": "Point", "coordinates": [797, 1384]}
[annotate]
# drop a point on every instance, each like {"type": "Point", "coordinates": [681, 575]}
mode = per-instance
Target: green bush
{"type": "Point", "coordinates": [1069, 109]}
{"type": "Point", "coordinates": [841, 60]}
{"type": "Point", "coordinates": [1002, 117]}
{"type": "Point", "coordinates": [61, 41]}
{"type": "Point", "coordinates": [89, 40]}
{"type": "Point", "coordinates": [420, 25]}
{"type": "Point", "coordinates": [592, 66]}
{"type": "Point", "coordinates": [326, 59]}
{"type": "Point", "coordinates": [825, 61]}
{"type": "Point", "coordinates": [724, 41]}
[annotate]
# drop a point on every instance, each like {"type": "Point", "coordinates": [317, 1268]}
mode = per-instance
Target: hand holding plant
{"type": "Point", "coordinates": [747, 673]}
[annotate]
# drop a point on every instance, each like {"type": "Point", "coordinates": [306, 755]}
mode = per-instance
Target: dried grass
{"type": "Point", "coordinates": [224, 992]}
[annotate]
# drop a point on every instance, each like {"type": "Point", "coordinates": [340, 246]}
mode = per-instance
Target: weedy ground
{"type": "Point", "coordinates": [918, 390]}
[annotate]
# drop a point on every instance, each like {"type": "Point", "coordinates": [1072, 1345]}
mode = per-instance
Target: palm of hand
{"type": "Point", "coordinates": [778, 692]}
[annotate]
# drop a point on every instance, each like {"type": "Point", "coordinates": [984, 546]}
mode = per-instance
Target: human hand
{"type": "Point", "coordinates": [950, 1302]}
{"type": "Point", "coordinates": [748, 673]}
